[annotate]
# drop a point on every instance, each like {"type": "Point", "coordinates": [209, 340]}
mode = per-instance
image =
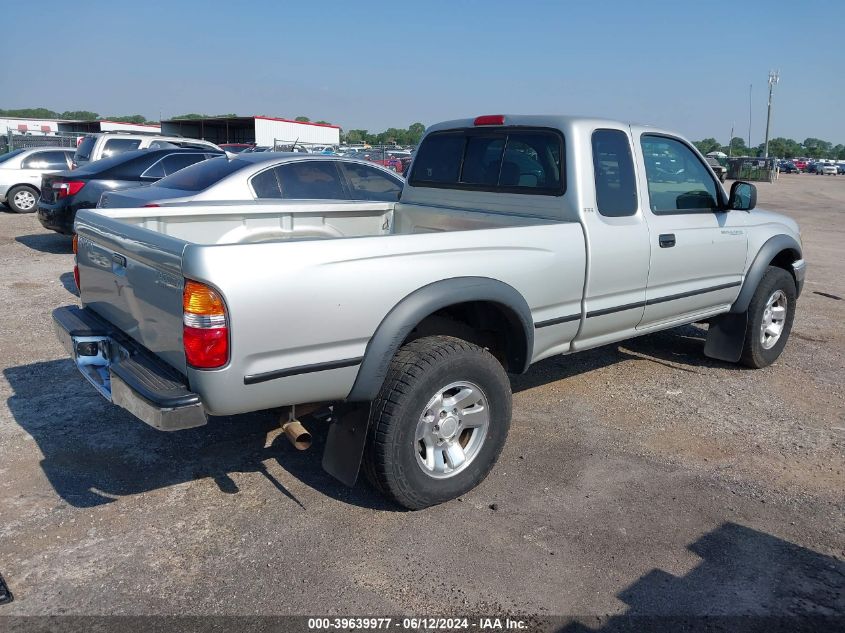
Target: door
{"type": "Point", "coordinates": [698, 249]}
{"type": "Point", "coordinates": [617, 239]}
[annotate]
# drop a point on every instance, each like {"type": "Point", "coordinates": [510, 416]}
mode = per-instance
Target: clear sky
{"type": "Point", "coordinates": [680, 64]}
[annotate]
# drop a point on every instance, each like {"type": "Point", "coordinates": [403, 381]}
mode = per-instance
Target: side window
{"type": "Point", "coordinates": [616, 189]}
{"type": "Point", "coordinates": [369, 183]}
{"type": "Point", "coordinates": [115, 146]}
{"type": "Point", "coordinates": [310, 179]}
{"type": "Point", "coordinates": [175, 162]}
{"type": "Point", "coordinates": [156, 170]}
{"type": "Point", "coordinates": [265, 184]}
{"type": "Point", "coordinates": [678, 182]}
{"type": "Point", "coordinates": [45, 160]}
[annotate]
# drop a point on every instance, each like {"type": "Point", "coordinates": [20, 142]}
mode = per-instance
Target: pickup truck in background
{"type": "Point", "coordinates": [516, 238]}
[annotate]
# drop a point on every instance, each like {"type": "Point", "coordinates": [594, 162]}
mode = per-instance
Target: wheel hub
{"type": "Point", "coordinates": [774, 319]}
{"type": "Point", "coordinates": [451, 429]}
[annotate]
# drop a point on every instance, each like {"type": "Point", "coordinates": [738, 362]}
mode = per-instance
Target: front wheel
{"type": "Point", "coordinates": [770, 316]}
{"type": "Point", "coordinates": [438, 423]}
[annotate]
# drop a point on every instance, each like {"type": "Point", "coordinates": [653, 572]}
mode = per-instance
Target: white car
{"type": "Point", "coordinates": [21, 171]}
{"type": "Point", "coordinates": [827, 169]}
{"type": "Point", "coordinates": [107, 144]}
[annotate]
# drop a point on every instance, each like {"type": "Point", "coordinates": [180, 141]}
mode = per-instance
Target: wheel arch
{"type": "Point", "coordinates": [480, 305]}
{"type": "Point", "coordinates": [779, 250]}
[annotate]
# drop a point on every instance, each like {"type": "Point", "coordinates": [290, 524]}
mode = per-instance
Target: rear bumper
{"type": "Point", "coordinates": [127, 374]}
{"type": "Point", "coordinates": [799, 268]}
{"type": "Point", "coordinates": [56, 218]}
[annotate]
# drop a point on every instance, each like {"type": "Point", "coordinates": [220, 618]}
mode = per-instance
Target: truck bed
{"type": "Point", "coordinates": [295, 300]}
{"type": "Point", "coordinates": [251, 223]}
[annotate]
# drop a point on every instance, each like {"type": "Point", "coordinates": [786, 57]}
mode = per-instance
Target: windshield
{"type": "Point", "coordinates": [11, 154]}
{"type": "Point", "coordinates": [202, 175]}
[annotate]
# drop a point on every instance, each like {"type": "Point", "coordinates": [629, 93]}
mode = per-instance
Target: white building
{"type": "Point", "coordinates": [261, 130]}
{"type": "Point", "coordinates": [35, 127]}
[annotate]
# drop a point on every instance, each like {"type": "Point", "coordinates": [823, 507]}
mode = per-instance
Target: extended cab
{"type": "Point", "coordinates": [516, 238]}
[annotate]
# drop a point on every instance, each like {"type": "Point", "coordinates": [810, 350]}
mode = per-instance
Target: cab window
{"type": "Point", "coordinates": [678, 182]}
{"type": "Point", "coordinates": [613, 169]}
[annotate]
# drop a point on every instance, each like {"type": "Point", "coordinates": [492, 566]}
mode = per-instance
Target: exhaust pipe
{"type": "Point", "coordinates": [297, 434]}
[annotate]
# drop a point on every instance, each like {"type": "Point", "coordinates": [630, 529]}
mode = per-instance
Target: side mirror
{"type": "Point", "coordinates": [743, 196]}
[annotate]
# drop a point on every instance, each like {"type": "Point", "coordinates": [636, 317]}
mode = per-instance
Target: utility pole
{"type": "Point", "coordinates": [774, 77]}
{"type": "Point", "coordinates": [731, 140]}
{"type": "Point", "coordinates": [750, 87]}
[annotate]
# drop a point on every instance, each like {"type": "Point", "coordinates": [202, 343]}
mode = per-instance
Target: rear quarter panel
{"type": "Point", "coordinates": [302, 303]}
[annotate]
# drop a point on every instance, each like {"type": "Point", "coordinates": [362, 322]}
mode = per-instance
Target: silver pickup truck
{"type": "Point", "coordinates": [516, 238]}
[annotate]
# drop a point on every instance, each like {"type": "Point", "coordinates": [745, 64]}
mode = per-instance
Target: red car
{"type": "Point", "coordinates": [800, 165]}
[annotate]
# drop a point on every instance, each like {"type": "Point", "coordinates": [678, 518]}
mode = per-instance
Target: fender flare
{"type": "Point", "coordinates": [765, 255]}
{"type": "Point", "coordinates": [415, 307]}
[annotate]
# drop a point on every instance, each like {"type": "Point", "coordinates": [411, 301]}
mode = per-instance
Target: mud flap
{"type": "Point", "coordinates": [725, 337]}
{"type": "Point", "coordinates": [346, 440]}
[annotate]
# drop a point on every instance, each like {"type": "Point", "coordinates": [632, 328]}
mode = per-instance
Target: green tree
{"type": "Point", "coordinates": [817, 148]}
{"type": "Point", "coordinates": [82, 115]}
{"type": "Point", "coordinates": [415, 132]}
{"type": "Point", "coordinates": [303, 119]}
{"type": "Point", "coordinates": [31, 113]}
{"type": "Point", "coordinates": [707, 145]}
{"type": "Point", "coordinates": [323, 122]}
{"type": "Point", "coordinates": [190, 115]}
{"type": "Point", "coordinates": [737, 147]}
{"type": "Point", "coordinates": [132, 118]}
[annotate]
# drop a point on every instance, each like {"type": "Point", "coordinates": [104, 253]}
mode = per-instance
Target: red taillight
{"type": "Point", "coordinates": [67, 188]}
{"type": "Point", "coordinates": [75, 242]}
{"type": "Point", "coordinates": [205, 331]}
{"type": "Point", "coordinates": [490, 119]}
{"type": "Point", "coordinates": [151, 205]}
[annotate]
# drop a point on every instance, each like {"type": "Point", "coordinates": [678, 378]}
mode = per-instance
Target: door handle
{"type": "Point", "coordinates": [667, 240]}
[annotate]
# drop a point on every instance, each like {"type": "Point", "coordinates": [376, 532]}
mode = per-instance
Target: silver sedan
{"type": "Point", "coordinates": [265, 176]}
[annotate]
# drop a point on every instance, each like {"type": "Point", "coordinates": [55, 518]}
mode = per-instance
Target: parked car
{"type": "Point", "coordinates": [720, 170]}
{"type": "Point", "coordinates": [841, 168]}
{"type": "Point", "coordinates": [93, 147]}
{"type": "Point", "coordinates": [265, 176]}
{"type": "Point", "coordinates": [21, 171]}
{"type": "Point", "coordinates": [801, 165]}
{"type": "Point", "coordinates": [236, 148]}
{"type": "Point", "coordinates": [64, 193]}
{"type": "Point", "coordinates": [788, 167]}
{"type": "Point", "coordinates": [827, 169]}
{"type": "Point", "coordinates": [405, 316]}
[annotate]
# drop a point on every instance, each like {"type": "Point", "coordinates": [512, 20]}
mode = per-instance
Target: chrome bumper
{"type": "Point", "coordinates": [125, 374]}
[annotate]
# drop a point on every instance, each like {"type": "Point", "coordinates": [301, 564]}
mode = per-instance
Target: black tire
{"type": "Point", "coordinates": [754, 354]}
{"type": "Point", "coordinates": [417, 372]}
{"type": "Point", "coordinates": [10, 198]}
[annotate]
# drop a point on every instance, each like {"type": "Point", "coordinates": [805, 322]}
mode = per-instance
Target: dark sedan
{"type": "Point", "coordinates": [64, 193]}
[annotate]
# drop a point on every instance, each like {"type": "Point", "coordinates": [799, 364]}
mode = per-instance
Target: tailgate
{"type": "Point", "coordinates": [132, 277]}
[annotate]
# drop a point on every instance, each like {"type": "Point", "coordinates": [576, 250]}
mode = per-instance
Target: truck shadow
{"type": "Point", "coordinates": [55, 243]}
{"type": "Point", "coordinates": [95, 453]}
{"type": "Point", "coordinates": [747, 580]}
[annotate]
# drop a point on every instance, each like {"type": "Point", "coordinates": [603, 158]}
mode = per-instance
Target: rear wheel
{"type": "Point", "coordinates": [770, 316]}
{"type": "Point", "coordinates": [438, 423]}
{"type": "Point", "coordinates": [22, 199]}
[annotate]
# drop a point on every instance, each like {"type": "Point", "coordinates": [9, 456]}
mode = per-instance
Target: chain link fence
{"type": "Point", "coordinates": [12, 140]}
{"type": "Point", "coordinates": [754, 169]}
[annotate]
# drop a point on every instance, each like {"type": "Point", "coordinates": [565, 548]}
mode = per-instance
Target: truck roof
{"type": "Point", "coordinates": [558, 121]}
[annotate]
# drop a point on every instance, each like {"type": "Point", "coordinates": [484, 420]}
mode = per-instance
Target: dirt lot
{"type": "Point", "coordinates": [639, 478]}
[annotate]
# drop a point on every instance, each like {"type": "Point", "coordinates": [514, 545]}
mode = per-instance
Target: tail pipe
{"type": "Point", "coordinates": [297, 434]}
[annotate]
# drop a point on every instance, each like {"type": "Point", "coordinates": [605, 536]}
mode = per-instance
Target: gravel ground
{"type": "Point", "coordinates": [639, 478]}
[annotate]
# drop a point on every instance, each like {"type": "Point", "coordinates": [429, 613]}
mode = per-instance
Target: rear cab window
{"type": "Point", "coordinates": [115, 146]}
{"type": "Point", "coordinates": [504, 160]}
{"type": "Point", "coordinates": [86, 146]}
